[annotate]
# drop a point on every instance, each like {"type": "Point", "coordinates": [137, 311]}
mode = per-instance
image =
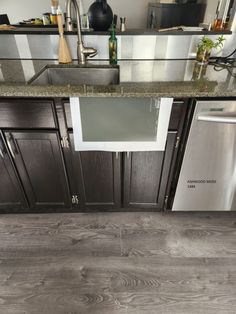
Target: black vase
{"type": "Point", "coordinates": [100, 15]}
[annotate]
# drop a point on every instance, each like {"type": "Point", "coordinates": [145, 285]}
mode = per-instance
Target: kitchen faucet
{"type": "Point", "coordinates": [82, 52]}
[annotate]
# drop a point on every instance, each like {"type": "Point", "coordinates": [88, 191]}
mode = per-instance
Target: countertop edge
{"type": "Point", "coordinates": [129, 32]}
{"type": "Point", "coordinates": [28, 91]}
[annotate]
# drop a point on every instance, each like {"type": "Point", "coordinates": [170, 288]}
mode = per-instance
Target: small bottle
{"type": "Point", "coordinates": [122, 24]}
{"type": "Point", "coordinates": [221, 15]}
{"type": "Point", "coordinates": [113, 46]}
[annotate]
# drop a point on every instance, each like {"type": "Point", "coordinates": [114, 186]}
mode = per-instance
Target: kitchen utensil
{"type": "Point", "coordinates": [46, 19]}
{"type": "Point", "coordinates": [54, 6]}
{"type": "Point", "coordinates": [53, 19]}
{"type": "Point", "coordinates": [100, 15]}
{"type": "Point", "coordinates": [64, 55]}
{"type": "Point", "coordinates": [4, 19]}
{"type": "Point", "coordinates": [84, 22]}
{"type": "Point", "coordinates": [6, 27]}
{"type": "Point", "coordinates": [122, 24]}
{"type": "Point", "coordinates": [55, 3]}
{"type": "Point", "coordinates": [115, 20]}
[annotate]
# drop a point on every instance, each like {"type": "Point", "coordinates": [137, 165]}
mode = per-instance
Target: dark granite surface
{"type": "Point", "coordinates": [43, 30]}
{"type": "Point", "coordinates": [169, 78]}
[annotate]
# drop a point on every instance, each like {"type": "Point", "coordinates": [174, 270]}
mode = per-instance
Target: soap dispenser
{"type": "Point", "coordinates": [113, 46]}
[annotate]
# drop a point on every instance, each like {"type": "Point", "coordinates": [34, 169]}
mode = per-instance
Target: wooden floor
{"type": "Point", "coordinates": [118, 263]}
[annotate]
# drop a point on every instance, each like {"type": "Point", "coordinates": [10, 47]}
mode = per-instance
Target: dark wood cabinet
{"type": "Point", "coordinates": [146, 175]}
{"type": "Point", "coordinates": [40, 171]}
{"type": "Point", "coordinates": [39, 162]}
{"type": "Point", "coordinates": [98, 179]}
{"type": "Point", "coordinates": [137, 180]}
{"type": "Point", "coordinates": [27, 113]}
{"type": "Point", "coordinates": [11, 193]}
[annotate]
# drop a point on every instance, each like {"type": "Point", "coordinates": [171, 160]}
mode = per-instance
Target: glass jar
{"type": "Point", "coordinates": [203, 55]}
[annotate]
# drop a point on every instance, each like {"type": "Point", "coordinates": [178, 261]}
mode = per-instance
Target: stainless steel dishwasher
{"type": "Point", "coordinates": [207, 178]}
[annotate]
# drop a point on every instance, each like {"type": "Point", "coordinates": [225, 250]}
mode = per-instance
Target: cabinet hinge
{"type": "Point", "coordinates": [75, 199]}
{"type": "Point", "coordinates": [177, 142]}
{"type": "Point", "coordinates": [65, 142]}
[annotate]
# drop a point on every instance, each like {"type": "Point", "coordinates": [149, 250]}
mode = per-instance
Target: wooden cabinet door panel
{"type": "Point", "coordinates": [27, 113]}
{"type": "Point", "coordinates": [146, 176]}
{"type": "Point", "coordinates": [97, 178]}
{"type": "Point", "coordinates": [39, 161]}
{"type": "Point", "coordinates": [11, 193]}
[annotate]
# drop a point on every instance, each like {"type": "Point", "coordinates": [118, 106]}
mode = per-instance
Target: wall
{"type": "Point", "coordinates": [134, 10]}
{"type": "Point", "coordinates": [210, 11]}
{"type": "Point", "coordinates": [18, 10]}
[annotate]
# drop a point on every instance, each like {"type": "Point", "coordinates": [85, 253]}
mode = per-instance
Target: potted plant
{"type": "Point", "coordinates": [205, 47]}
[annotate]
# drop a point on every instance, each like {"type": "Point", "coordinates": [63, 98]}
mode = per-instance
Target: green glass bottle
{"type": "Point", "coordinates": [113, 46]}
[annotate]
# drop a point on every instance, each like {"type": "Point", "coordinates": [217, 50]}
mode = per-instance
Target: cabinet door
{"type": "Point", "coordinates": [146, 176]}
{"type": "Point", "coordinates": [39, 162]}
{"type": "Point", "coordinates": [21, 113]}
{"type": "Point", "coordinates": [97, 179]}
{"type": "Point", "coordinates": [11, 193]}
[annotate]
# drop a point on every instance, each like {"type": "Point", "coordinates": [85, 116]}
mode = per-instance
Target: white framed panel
{"type": "Point", "coordinates": [140, 141]}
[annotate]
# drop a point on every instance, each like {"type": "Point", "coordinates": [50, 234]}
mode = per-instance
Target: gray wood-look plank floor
{"type": "Point", "coordinates": [118, 263]}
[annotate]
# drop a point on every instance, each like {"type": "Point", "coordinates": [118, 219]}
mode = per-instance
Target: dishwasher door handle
{"type": "Point", "coordinates": [217, 118]}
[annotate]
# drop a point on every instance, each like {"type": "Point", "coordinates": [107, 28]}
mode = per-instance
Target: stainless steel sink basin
{"type": "Point", "coordinates": [77, 75]}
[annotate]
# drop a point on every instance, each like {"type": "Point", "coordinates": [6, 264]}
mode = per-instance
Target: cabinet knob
{"type": "Point", "coordinates": [75, 199]}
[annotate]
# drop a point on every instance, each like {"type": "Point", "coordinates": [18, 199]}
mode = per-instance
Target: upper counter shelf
{"type": "Point", "coordinates": [42, 30]}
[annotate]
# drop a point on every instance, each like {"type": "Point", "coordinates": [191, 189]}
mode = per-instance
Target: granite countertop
{"type": "Point", "coordinates": [138, 78]}
{"type": "Point", "coordinates": [45, 30]}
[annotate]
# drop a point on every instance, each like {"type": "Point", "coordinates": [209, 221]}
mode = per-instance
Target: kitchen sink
{"type": "Point", "coordinates": [77, 75]}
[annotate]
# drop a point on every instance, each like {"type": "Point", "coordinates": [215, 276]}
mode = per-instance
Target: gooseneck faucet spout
{"type": "Point", "coordinates": [82, 52]}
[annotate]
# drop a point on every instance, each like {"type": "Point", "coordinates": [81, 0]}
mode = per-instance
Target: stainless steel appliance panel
{"type": "Point", "coordinates": [208, 175]}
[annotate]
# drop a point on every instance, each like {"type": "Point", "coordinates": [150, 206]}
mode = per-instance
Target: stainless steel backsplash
{"type": "Point", "coordinates": [129, 47]}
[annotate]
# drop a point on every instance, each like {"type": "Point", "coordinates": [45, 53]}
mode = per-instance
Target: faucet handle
{"type": "Point", "coordinates": [84, 52]}
{"type": "Point", "coordinates": [90, 52]}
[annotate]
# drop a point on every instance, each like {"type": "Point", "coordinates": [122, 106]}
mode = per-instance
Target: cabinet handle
{"type": "Point", "coordinates": [117, 155]}
{"type": "Point", "coordinates": [2, 148]}
{"type": "Point", "coordinates": [217, 118]}
{"type": "Point", "coordinates": [10, 142]}
{"type": "Point", "coordinates": [9, 146]}
{"type": "Point", "coordinates": [128, 155]}
{"type": "Point", "coordinates": [1, 153]}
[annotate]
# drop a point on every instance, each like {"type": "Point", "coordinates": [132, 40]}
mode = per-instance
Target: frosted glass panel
{"type": "Point", "coordinates": [119, 119]}
{"type": "Point", "coordinates": [120, 124]}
